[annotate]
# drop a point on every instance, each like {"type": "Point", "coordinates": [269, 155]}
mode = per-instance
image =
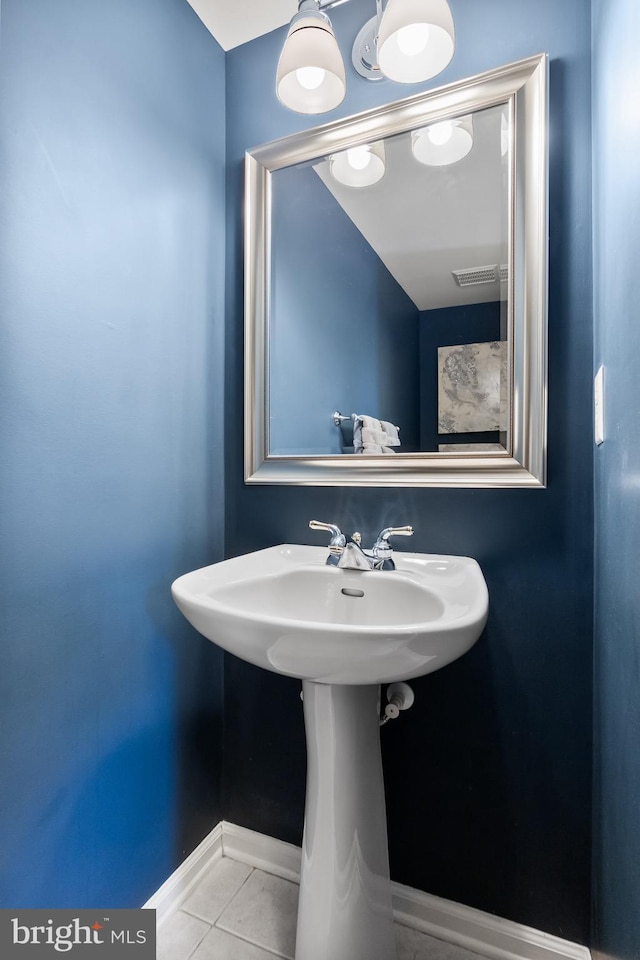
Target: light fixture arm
{"type": "Point", "coordinates": [329, 4]}
{"type": "Point", "coordinates": [310, 8]}
{"type": "Point", "coordinates": [364, 55]}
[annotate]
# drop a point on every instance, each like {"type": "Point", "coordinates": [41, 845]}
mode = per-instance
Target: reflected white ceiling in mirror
{"type": "Point", "coordinates": [432, 202]}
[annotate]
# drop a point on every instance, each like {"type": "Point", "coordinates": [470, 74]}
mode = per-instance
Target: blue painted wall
{"type": "Point", "coordinates": [616, 147]}
{"type": "Point", "coordinates": [336, 342]}
{"type": "Point", "coordinates": [448, 326]}
{"type": "Point", "coordinates": [112, 123]}
{"type": "Point", "coordinates": [489, 776]}
{"type": "Point", "coordinates": [111, 250]}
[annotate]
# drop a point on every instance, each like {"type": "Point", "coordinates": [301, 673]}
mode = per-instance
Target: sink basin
{"type": "Point", "coordinates": [283, 609]}
{"type": "Point", "coordinates": [343, 633]}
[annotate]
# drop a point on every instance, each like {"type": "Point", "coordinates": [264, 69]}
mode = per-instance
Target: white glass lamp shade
{"type": "Point", "coordinates": [444, 142]}
{"type": "Point", "coordinates": [359, 166]}
{"type": "Point", "coordinates": [416, 39]}
{"type": "Point", "coordinates": [311, 77]}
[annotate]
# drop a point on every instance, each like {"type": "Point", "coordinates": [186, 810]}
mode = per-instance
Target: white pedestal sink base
{"type": "Point", "coordinates": [345, 893]}
{"type": "Point", "coordinates": [286, 610]}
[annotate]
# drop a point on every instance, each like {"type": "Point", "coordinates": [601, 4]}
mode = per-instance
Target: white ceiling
{"type": "Point", "coordinates": [233, 22]}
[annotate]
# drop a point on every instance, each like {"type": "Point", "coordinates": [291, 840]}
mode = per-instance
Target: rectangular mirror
{"type": "Point", "coordinates": [396, 292]}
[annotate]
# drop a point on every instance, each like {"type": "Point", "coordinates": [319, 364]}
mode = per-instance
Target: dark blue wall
{"type": "Point", "coordinates": [344, 334]}
{"type": "Point", "coordinates": [112, 245]}
{"type": "Point", "coordinates": [489, 776]}
{"type": "Point", "coordinates": [616, 147]}
{"type": "Point", "coordinates": [449, 326]}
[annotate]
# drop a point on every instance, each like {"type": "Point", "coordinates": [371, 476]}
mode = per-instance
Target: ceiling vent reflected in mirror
{"type": "Point", "coordinates": [477, 275]}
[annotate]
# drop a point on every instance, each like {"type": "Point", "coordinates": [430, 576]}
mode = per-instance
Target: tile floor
{"type": "Point", "coordinates": [239, 913]}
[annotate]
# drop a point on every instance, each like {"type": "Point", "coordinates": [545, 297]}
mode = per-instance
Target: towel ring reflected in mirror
{"type": "Point", "coordinates": [278, 345]}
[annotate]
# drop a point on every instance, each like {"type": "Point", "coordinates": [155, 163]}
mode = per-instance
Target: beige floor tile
{"type": "Point", "coordinates": [218, 945]}
{"type": "Point", "coordinates": [179, 935]}
{"type": "Point", "coordinates": [218, 886]}
{"type": "Point", "coordinates": [264, 912]}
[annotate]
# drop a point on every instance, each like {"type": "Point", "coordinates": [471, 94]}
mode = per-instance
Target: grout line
{"type": "Point", "coordinates": [239, 936]}
{"type": "Point", "coordinates": [191, 953]}
{"type": "Point", "coordinates": [254, 943]}
{"type": "Point", "coordinates": [228, 904]}
{"type": "Point", "coordinates": [198, 916]}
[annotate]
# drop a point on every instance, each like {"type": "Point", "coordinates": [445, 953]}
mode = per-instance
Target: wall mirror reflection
{"type": "Point", "coordinates": [396, 292]}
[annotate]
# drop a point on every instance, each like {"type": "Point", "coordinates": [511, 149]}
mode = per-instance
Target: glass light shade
{"type": "Point", "coordinates": [311, 77]}
{"type": "Point", "coordinates": [359, 166]}
{"type": "Point", "coordinates": [416, 39]}
{"type": "Point", "coordinates": [443, 143]}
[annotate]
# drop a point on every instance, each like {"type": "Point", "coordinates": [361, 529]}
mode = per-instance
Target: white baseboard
{"type": "Point", "coordinates": [478, 931]}
{"type": "Point", "coordinates": [454, 923]}
{"type": "Point", "coordinates": [182, 881]}
{"type": "Point", "coordinates": [258, 850]}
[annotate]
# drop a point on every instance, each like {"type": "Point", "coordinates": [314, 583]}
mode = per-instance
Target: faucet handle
{"type": "Point", "coordinates": [337, 543]}
{"type": "Point", "coordinates": [338, 538]}
{"type": "Point", "coordinates": [382, 548]}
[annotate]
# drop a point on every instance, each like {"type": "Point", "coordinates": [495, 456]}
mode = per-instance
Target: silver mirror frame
{"type": "Point", "coordinates": [523, 87]}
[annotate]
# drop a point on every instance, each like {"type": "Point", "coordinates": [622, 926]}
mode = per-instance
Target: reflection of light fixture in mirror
{"type": "Point", "coordinates": [359, 166]}
{"type": "Point", "coordinates": [416, 39]}
{"type": "Point", "coordinates": [310, 76]}
{"type": "Point", "coordinates": [413, 40]}
{"type": "Point", "coordinates": [442, 143]}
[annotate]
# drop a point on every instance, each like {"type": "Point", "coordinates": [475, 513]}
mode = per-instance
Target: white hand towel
{"type": "Point", "coordinates": [375, 448]}
{"type": "Point", "coordinates": [393, 438]}
{"type": "Point", "coordinates": [370, 435]}
{"type": "Point", "coordinates": [374, 436]}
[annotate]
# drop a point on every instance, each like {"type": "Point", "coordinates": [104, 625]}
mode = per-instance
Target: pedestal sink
{"type": "Point", "coordinates": [343, 633]}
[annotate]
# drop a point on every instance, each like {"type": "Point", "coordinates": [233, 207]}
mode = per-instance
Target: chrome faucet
{"type": "Point", "coordinates": [336, 543]}
{"type": "Point", "coordinates": [382, 551]}
{"type": "Point", "coordinates": [354, 557]}
{"type": "Point", "coordinates": [351, 556]}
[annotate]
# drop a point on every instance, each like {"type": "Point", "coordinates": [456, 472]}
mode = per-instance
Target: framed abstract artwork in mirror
{"type": "Point", "coordinates": [396, 292]}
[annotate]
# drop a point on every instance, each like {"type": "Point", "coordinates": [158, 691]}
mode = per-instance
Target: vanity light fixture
{"type": "Point", "coordinates": [416, 39]}
{"type": "Point", "coordinates": [412, 41]}
{"type": "Point", "coordinates": [443, 143]}
{"type": "Point", "coordinates": [359, 166]}
{"type": "Point", "coordinates": [311, 77]}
